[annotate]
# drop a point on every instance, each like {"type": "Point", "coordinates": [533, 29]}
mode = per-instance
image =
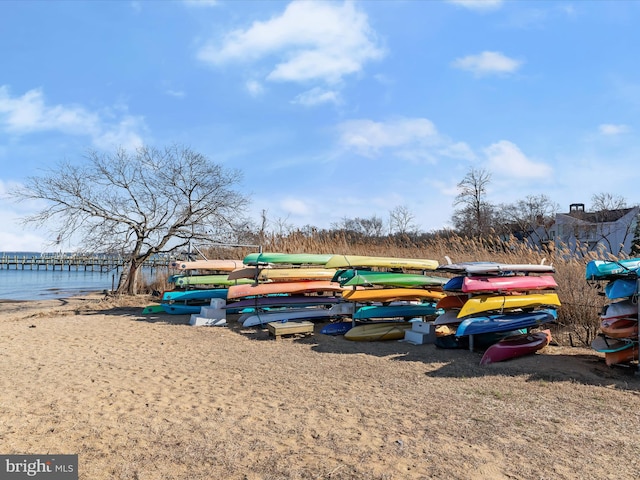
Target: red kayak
{"type": "Point", "coordinates": [515, 346]}
{"type": "Point", "coordinates": [513, 283]}
{"type": "Point", "coordinates": [620, 327]}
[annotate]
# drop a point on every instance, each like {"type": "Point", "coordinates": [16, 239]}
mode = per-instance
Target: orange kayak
{"type": "Point", "coordinates": [390, 294]}
{"type": "Point", "coordinates": [620, 328]}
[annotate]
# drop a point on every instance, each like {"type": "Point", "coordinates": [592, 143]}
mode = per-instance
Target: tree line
{"type": "Point", "coordinates": [161, 200]}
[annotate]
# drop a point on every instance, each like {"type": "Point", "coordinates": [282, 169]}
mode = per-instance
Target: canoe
{"type": "Point", "coordinates": [452, 302]}
{"type": "Point", "coordinates": [346, 261]}
{"type": "Point", "coordinates": [196, 294]}
{"type": "Point", "coordinates": [285, 315]}
{"type": "Point", "coordinates": [217, 279]}
{"type": "Point", "coordinates": [221, 265]}
{"type": "Point", "coordinates": [487, 303]}
{"type": "Point", "coordinates": [310, 286]}
{"type": "Point", "coordinates": [620, 309]}
{"type": "Point", "coordinates": [336, 328]}
{"type": "Point", "coordinates": [505, 322]}
{"type": "Point", "coordinates": [395, 311]}
{"type": "Point", "coordinates": [515, 346]}
{"type": "Point", "coordinates": [616, 350]}
{"type": "Point", "coordinates": [515, 283]}
{"type": "Point", "coordinates": [621, 288]}
{"type": "Point", "coordinates": [284, 301]}
{"type": "Point", "coordinates": [606, 269]}
{"type": "Point", "coordinates": [502, 268]}
{"type": "Point", "coordinates": [286, 258]}
{"type": "Point", "coordinates": [378, 331]}
{"type": "Point", "coordinates": [390, 294]}
{"type": "Point", "coordinates": [620, 328]}
{"type": "Point", "coordinates": [393, 279]}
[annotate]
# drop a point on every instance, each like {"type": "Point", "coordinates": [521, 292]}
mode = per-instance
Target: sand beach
{"type": "Point", "coordinates": [150, 397]}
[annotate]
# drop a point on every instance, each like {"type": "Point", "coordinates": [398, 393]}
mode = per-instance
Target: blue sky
{"type": "Point", "coordinates": [330, 109]}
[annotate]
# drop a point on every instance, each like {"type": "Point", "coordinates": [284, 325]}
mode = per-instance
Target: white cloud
{"type": "Point", "coordinates": [254, 88]}
{"type": "Point", "coordinates": [310, 41]}
{"type": "Point", "coordinates": [317, 96]}
{"type": "Point", "coordinates": [175, 93]}
{"type": "Point", "coordinates": [14, 237]}
{"type": "Point", "coordinates": [611, 129]}
{"type": "Point", "coordinates": [480, 5]}
{"type": "Point", "coordinates": [295, 206]}
{"type": "Point", "coordinates": [415, 139]}
{"type": "Point", "coordinates": [505, 159]}
{"type": "Point", "coordinates": [29, 113]}
{"type": "Point", "coordinates": [487, 63]}
{"type": "Point", "coordinates": [201, 3]}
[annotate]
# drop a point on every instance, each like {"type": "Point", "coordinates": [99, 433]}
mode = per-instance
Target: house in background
{"type": "Point", "coordinates": [604, 231]}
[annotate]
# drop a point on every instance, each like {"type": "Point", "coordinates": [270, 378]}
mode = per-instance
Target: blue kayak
{"type": "Point", "coordinates": [621, 288]}
{"type": "Point", "coordinates": [506, 321]}
{"type": "Point", "coordinates": [454, 284]}
{"type": "Point", "coordinates": [336, 328]}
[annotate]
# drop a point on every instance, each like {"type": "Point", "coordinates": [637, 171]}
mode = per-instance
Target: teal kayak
{"type": "Point", "coordinates": [395, 311]}
{"type": "Point", "coordinates": [607, 269]}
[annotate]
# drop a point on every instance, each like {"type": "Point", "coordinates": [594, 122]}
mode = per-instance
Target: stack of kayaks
{"type": "Point", "coordinates": [386, 292]}
{"type": "Point", "coordinates": [285, 287]}
{"type": "Point", "coordinates": [488, 302]}
{"type": "Point", "coordinates": [196, 283]}
{"type": "Point", "coordinates": [619, 317]}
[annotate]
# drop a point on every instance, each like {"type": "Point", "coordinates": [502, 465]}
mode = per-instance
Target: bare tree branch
{"type": "Point", "coordinates": [137, 204]}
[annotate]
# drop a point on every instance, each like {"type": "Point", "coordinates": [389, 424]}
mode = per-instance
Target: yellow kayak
{"type": "Point", "coordinates": [486, 303]}
{"type": "Point", "coordinates": [391, 294]}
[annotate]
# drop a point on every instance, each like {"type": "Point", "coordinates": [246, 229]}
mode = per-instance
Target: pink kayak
{"type": "Point", "coordinates": [515, 283]}
{"type": "Point", "coordinates": [515, 346]}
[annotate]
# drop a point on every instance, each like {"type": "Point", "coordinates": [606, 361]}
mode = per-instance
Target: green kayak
{"type": "Point", "coordinates": [392, 279]}
{"type": "Point", "coordinates": [287, 258]}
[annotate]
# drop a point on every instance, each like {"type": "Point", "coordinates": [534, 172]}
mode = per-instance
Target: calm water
{"type": "Point", "coordinates": [47, 284]}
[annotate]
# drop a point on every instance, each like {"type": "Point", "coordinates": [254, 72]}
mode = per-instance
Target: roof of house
{"type": "Point", "coordinates": [602, 216]}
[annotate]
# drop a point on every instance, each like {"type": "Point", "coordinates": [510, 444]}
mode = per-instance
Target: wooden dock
{"type": "Point", "coordinates": [70, 262]}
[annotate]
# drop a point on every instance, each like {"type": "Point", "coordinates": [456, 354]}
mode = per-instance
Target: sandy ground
{"type": "Point", "coordinates": [154, 398]}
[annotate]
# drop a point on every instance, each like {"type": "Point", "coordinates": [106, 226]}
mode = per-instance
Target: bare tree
{"type": "Point", "coordinates": [137, 204]}
{"type": "Point", "coordinates": [367, 227]}
{"type": "Point", "coordinates": [401, 220]}
{"type": "Point", "coordinates": [532, 217]}
{"type": "Point", "coordinates": [475, 215]}
{"type": "Point", "coordinates": [606, 201]}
